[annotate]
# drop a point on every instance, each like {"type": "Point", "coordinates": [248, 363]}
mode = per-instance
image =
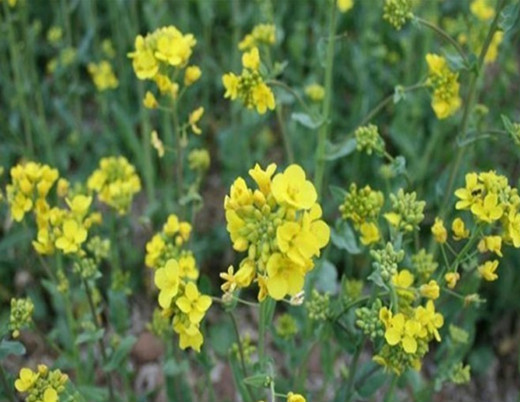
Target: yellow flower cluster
{"type": "Point", "coordinates": [249, 87]}
{"type": "Point", "coordinates": [30, 184]}
{"type": "Point", "coordinates": [42, 385]}
{"type": "Point", "coordinates": [103, 75]}
{"type": "Point", "coordinates": [169, 244]}
{"type": "Point", "coordinates": [495, 208]}
{"type": "Point", "coordinates": [175, 277]}
{"type": "Point", "coordinates": [115, 182]}
{"type": "Point", "coordinates": [444, 82]}
{"type": "Point", "coordinates": [344, 5]}
{"type": "Point", "coordinates": [407, 212]}
{"type": "Point", "coordinates": [492, 52]}
{"type": "Point", "coordinates": [292, 397]}
{"type": "Point", "coordinates": [262, 34]}
{"type": "Point", "coordinates": [279, 226]}
{"type": "Point", "coordinates": [482, 9]}
{"type": "Point", "coordinates": [407, 334]}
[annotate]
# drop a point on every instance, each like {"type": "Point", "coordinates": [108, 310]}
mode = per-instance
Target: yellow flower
{"type": "Point", "coordinates": [284, 277]}
{"type": "Point", "coordinates": [315, 92]}
{"type": "Point", "coordinates": [263, 177]}
{"type": "Point", "coordinates": [157, 143]}
{"type": "Point", "coordinates": [230, 82]}
{"type": "Point", "coordinates": [191, 75]}
{"type": "Point", "coordinates": [459, 229]}
{"type": "Point", "coordinates": [291, 397]}
{"type": "Point", "coordinates": [50, 395]}
{"type": "Point", "coordinates": [171, 227]}
{"type": "Point", "coordinates": [470, 194]}
{"type": "Point", "coordinates": [513, 229]}
{"type": "Point", "coordinates": [103, 75]}
{"type": "Point", "coordinates": [403, 281]}
{"type": "Point", "coordinates": [251, 59]}
{"type": "Point", "coordinates": [26, 380]}
{"type": "Point", "coordinates": [482, 9]}
{"type": "Point", "coordinates": [430, 290]}
{"type": "Point", "coordinates": [230, 283]}
{"type": "Point", "coordinates": [489, 210]}
{"type": "Point", "coordinates": [195, 116]}
{"type": "Point", "coordinates": [79, 205]}
{"type": "Point", "coordinates": [491, 243]}
{"type": "Point", "coordinates": [189, 334]}
{"type": "Point", "coordinates": [63, 187]}
{"type": "Point", "coordinates": [403, 331]}
{"type": "Point", "coordinates": [292, 188]}
{"type": "Point", "coordinates": [149, 101]}
{"type": "Point", "coordinates": [369, 233]}
{"type": "Point", "coordinates": [143, 60]}
{"type": "Point", "coordinates": [263, 98]}
{"type": "Point", "coordinates": [429, 319]}
{"type": "Point", "coordinates": [487, 270]}
{"type": "Point", "coordinates": [344, 5]}
{"type": "Point", "coordinates": [451, 279]}
{"type": "Point", "coordinates": [72, 237]}
{"type": "Point", "coordinates": [172, 47]}
{"type": "Point", "coordinates": [193, 303]}
{"type": "Point", "coordinates": [167, 280]}
{"type": "Point", "coordinates": [188, 267]}
{"type": "Point", "coordinates": [439, 231]}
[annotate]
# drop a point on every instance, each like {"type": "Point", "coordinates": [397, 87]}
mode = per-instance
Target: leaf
{"type": "Point", "coordinates": [172, 368]}
{"type": "Point", "coordinates": [344, 238]}
{"type": "Point", "coordinates": [90, 336]}
{"type": "Point", "coordinates": [336, 151]}
{"type": "Point", "coordinates": [258, 380]}
{"type": "Point", "coordinates": [305, 120]}
{"type": "Point", "coordinates": [372, 384]}
{"type": "Point", "coordinates": [121, 352]}
{"type": "Point", "coordinates": [92, 393]}
{"type": "Point", "coordinates": [508, 16]}
{"type": "Point", "coordinates": [377, 279]}
{"type": "Point", "coordinates": [399, 94]}
{"type": "Point", "coordinates": [221, 337]}
{"type": "Point", "coordinates": [399, 165]}
{"type": "Point", "coordinates": [11, 348]}
{"type": "Point", "coordinates": [327, 278]}
{"type": "Point", "coordinates": [338, 194]}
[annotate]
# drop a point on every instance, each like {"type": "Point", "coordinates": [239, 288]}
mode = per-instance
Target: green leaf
{"type": "Point", "coordinates": [11, 348]}
{"type": "Point", "coordinates": [258, 380]}
{"type": "Point", "coordinates": [336, 151]}
{"type": "Point", "coordinates": [221, 337]}
{"type": "Point", "coordinates": [508, 16]}
{"type": "Point", "coordinates": [172, 368]}
{"type": "Point", "coordinates": [399, 165]}
{"type": "Point", "coordinates": [90, 336]}
{"type": "Point", "coordinates": [305, 120]}
{"type": "Point", "coordinates": [121, 352]}
{"type": "Point", "coordinates": [338, 194]}
{"type": "Point", "coordinates": [327, 278]}
{"type": "Point", "coordinates": [94, 394]}
{"type": "Point", "coordinates": [377, 279]}
{"type": "Point", "coordinates": [372, 384]}
{"type": "Point", "coordinates": [344, 238]}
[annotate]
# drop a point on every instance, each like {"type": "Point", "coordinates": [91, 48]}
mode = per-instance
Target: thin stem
{"type": "Point", "coordinates": [88, 292]}
{"type": "Point", "coordinates": [285, 135]}
{"type": "Point", "coordinates": [239, 343]}
{"type": "Point", "coordinates": [468, 106]}
{"type": "Point", "coordinates": [390, 393]}
{"type": "Point", "coordinates": [178, 160]}
{"type": "Point", "coordinates": [296, 95]}
{"type": "Point", "coordinates": [327, 102]}
{"type": "Point", "coordinates": [353, 369]}
{"type": "Point", "coordinates": [444, 35]}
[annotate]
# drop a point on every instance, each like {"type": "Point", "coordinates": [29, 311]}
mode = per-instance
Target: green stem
{"type": "Point", "coordinates": [98, 324]}
{"type": "Point", "coordinates": [296, 95]}
{"type": "Point", "coordinates": [240, 351]}
{"type": "Point", "coordinates": [180, 153]}
{"type": "Point", "coordinates": [468, 106]}
{"type": "Point", "coordinates": [285, 135]}
{"type": "Point", "coordinates": [266, 314]}
{"type": "Point", "coordinates": [390, 393]}
{"type": "Point", "coordinates": [327, 102]}
{"type": "Point", "coordinates": [353, 369]}
{"type": "Point", "coordinates": [444, 35]}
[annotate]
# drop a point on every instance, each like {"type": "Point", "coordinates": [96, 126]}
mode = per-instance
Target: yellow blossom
{"type": "Point", "coordinates": [439, 231]}
{"type": "Point", "coordinates": [451, 279]}
{"type": "Point", "coordinates": [470, 194]}
{"type": "Point", "coordinates": [26, 380]}
{"type": "Point", "coordinates": [344, 5]}
{"type": "Point", "coordinates": [430, 320]}
{"type": "Point", "coordinates": [157, 144]}
{"type": "Point", "coordinates": [195, 116]}
{"type": "Point", "coordinates": [430, 290]}
{"type": "Point", "coordinates": [192, 75]}
{"type": "Point", "coordinates": [492, 244]}
{"type": "Point", "coordinates": [72, 237]}
{"type": "Point", "coordinates": [482, 9]}
{"type": "Point", "coordinates": [263, 98]}
{"type": "Point", "coordinates": [230, 82]}
{"type": "Point", "coordinates": [292, 397]}
{"type": "Point", "coordinates": [251, 59]}
{"type": "Point", "coordinates": [149, 101]}
{"type": "Point", "coordinates": [403, 331]}
{"type": "Point", "coordinates": [167, 280]}
{"type": "Point", "coordinates": [369, 233]}
{"type": "Point", "coordinates": [492, 52]}
{"type": "Point", "coordinates": [103, 75]}
{"type": "Point", "coordinates": [489, 210]}
{"type": "Point", "coordinates": [284, 277]}
{"type": "Point", "coordinates": [193, 303]}
{"type": "Point", "coordinates": [292, 188]}
{"type": "Point", "coordinates": [487, 270]}
{"type": "Point", "coordinates": [459, 229]}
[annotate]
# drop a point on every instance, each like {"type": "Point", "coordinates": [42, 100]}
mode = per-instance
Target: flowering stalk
{"type": "Point", "coordinates": [325, 128]}
{"type": "Point", "coordinates": [468, 105]}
